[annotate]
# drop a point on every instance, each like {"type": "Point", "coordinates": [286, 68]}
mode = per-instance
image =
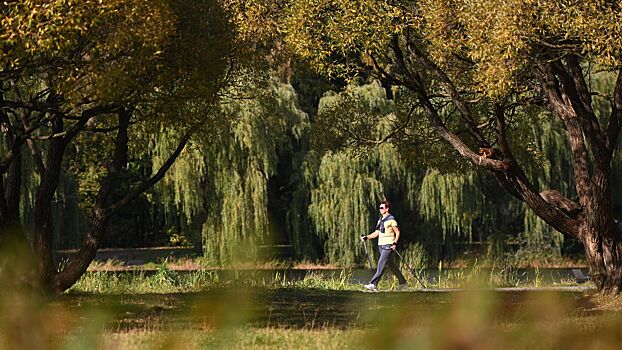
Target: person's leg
{"type": "Point", "coordinates": [382, 262]}
{"type": "Point", "coordinates": [395, 269]}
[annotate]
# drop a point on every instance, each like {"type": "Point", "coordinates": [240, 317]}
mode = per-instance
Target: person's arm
{"type": "Point", "coordinates": [371, 235]}
{"type": "Point", "coordinates": [397, 236]}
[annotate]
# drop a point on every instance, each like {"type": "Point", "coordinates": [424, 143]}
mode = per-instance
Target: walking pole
{"type": "Point", "coordinates": [410, 268]}
{"type": "Point", "coordinates": [371, 267]}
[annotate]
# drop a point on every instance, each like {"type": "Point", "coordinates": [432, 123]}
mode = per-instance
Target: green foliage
{"type": "Point", "coordinates": [349, 184]}
{"type": "Point", "coordinates": [300, 225]}
{"type": "Point", "coordinates": [452, 200]}
{"type": "Point", "coordinates": [335, 36]}
{"type": "Point", "coordinates": [352, 119]}
{"type": "Point", "coordinates": [501, 38]}
{"type": "Point", "coordinates": [88, 49]}
{"type": "Point", "coordinates": [339, 216]}
{"type": "Point", "coordinates": [416, 256]}
{"type": "Point", "coordinates": [246, 159]}
{"type": "Point", "coordinates": [225, 174]}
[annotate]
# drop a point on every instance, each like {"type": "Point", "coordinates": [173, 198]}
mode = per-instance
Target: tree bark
{"type": "Point", "coordinates": [564, 88]}
{"type": "Point", "coordinates": [97, 219]}
{"type": "Point", "coordinates": [79, 263]}
{"type": "Point", "coordinates": [43, 230]}
{"type": "Point", "coordinates": [13, 187]}
{"type": "Point", "coordinates": [102, 210]}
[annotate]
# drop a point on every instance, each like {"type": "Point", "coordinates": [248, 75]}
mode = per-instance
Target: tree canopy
{"type": "Point", "coordinates": [479, 72]}
{"type": "Point", "coordinates": [119, 72]}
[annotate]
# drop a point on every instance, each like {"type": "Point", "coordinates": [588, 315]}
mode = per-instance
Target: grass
{"type": "Point", "coordinates": [162, 278]}
{"type": "Point", "coordinates": [191, 264]}
{"type": "Point", "coordinates": [245, 338]}
{"type": "Point", "coordinates": [249, 309]}
{"type": "Point", "coordinates": [310, 318]}
{"type": "Point", "coordinates": [414, 254]}
{"type": "Point", "coordinates": [252, 309]}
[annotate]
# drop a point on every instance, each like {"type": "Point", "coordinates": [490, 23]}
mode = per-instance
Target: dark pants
{"type": "Point", "coordinates": [386, 259]}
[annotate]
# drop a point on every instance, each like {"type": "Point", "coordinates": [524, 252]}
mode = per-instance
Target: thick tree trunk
{"type": "Point", "coordinates": [43, 229]}
{"type": "Point", "coordinates": [10, 189]}
{"type": "Point", "coordinates": [79, 263]}
{"type": "Point", "coordinates": [600, 235]}
{"type": "Point", "coordinates": [98, 216]}
{"type": "Point", "coordinates": [604, 254]}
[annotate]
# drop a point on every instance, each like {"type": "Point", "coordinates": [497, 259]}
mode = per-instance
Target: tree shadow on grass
{"type": "Point", "coordinates": [306, 308]}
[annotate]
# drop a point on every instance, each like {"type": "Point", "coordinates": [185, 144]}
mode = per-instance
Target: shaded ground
{"type": "Point", "coordinates": [310, 308]}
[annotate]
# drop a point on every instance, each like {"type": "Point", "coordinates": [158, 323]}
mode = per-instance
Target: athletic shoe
{"type": "Point", "coordinates": [401, 286]}
{"type": "Point", "coordinates": [371, 287]}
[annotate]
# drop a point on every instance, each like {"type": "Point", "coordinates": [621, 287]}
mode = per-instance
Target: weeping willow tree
{"type": "Point", "coordinates": [300, 226]}
{"type": "Point", "coordinates": [349, 182]}
{"type": "Point", "coordinates": [451, 200]}
{"type": "Point", "coordinates": [342, 203]}
{"type": "Point", "coordinates": [222, 180]}
{"type": "Point", "coordinates": [459, 202]}
{"type": "Point", "coordinates": [551, 150]}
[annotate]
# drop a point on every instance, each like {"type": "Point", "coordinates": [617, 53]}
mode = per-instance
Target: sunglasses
{"type": "Point", "coordinates": [383, 207]}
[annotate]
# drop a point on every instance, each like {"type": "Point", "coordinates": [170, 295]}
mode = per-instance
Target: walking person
{"type": "Point", "coordinates": [388, 234]}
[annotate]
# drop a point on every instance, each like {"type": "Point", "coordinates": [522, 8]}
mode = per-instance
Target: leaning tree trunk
{"type": "Point", "coordinates": [63, 280]}
{"type": "Point", "coordinates": [98, 216]}
{"type": "Point", "coordinates": [102, 211]}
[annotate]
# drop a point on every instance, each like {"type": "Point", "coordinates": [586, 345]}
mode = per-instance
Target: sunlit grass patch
{"type": "Point", "coordinates": [472, 319]}
{"type": "Point", "coordinates": [307, 316]}
{"type": "Point", "coordinates": [164, 279]}
{"type": "Point", "coordinates": [243, 338]}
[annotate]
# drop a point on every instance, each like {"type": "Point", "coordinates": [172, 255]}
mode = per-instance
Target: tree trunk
{"type": "Point", "coordinates": [12, 191]}
{"type": "Point", "coordinates": [80, 262]}
{"type": "Point", "coordinates": [600, 235]}
{"type": "Point", "coordinates": [43, 233]}
{"type": "Point", "coordinates": [11, 200]}
{"type": "Point", "coordinates": [604, 256]}
{"type": "Point", "coordinates": [9, 190]}
{"type": "Point", "coordinates": [98, 216]}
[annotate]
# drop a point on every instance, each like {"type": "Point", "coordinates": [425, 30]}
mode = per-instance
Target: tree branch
{"type": "Point", "coordinates": [615, 120]}
{"type": "Point", "coordinates": [36, 155]}
{"type": "Point", "coordinates": [453, 139]}
{"type": "Point", "coordinates": [16, 144]}
{"type": "Point", "coordinates": [566, 113]}
{"type": "Point", "coordinates": [575, 87]}
{"type": "Point", "coordinates": [456, 97]}
{"type": "Point", "coordinates": [114, 208]}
